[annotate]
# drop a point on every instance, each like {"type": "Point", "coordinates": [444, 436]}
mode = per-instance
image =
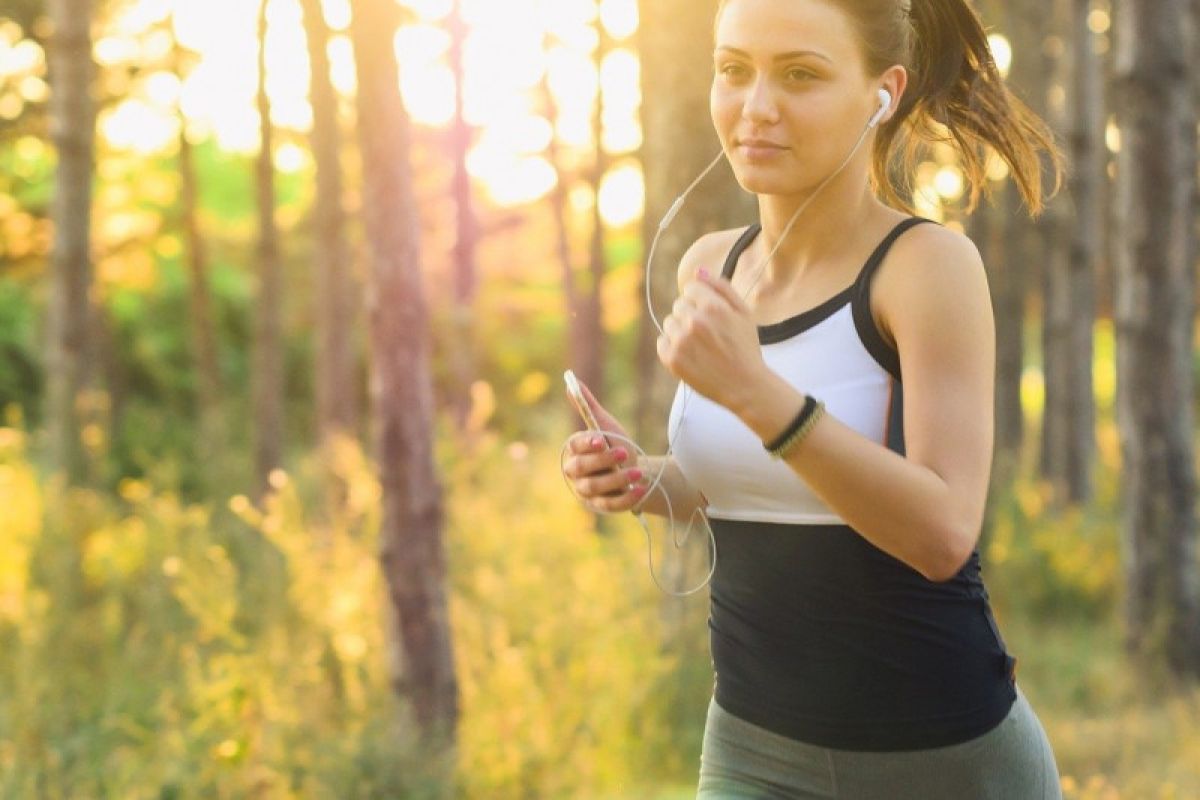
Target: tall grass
{"type": "Point", "coordinates": [159, 648]}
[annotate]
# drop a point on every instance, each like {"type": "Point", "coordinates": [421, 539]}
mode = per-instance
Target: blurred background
{"type": "Point", "coordinates": [286, 289]}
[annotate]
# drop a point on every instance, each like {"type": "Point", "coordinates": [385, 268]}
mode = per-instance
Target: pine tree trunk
{"type": "Point", "coordinates": [72, 128]}
{"type": "Point", "coordinates": [204, 338]}
{"type": "Point", "coordinates": [675, 43]}
{"type": "Point", "coordinates": [1055, 230]}
{"type": "Point", "coordinates": [591, 367]}
{"type": "Point", "coordinates": [467, 234]}
{"type": "Point", "coordinates": [412, 553]}
{"type": "Point", "coordinates": [1155, 330]}
{"type": "Point", "coordinates": [268, 341]}
{"type": "Point", "coordinates": [1086, 118]}
{"type": "Point", "coordinates": [333, 277]}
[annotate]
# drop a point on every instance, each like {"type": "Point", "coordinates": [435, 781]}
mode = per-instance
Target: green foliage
{"type": "Point", "coordinates": [162, 648]}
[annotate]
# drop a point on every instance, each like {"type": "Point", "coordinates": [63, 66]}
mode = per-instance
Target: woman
{"type": "Point", "coordinates": [856, 655]}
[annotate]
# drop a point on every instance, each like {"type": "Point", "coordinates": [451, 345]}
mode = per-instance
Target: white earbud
{"type": "Point", "coordinates": [885, 102]}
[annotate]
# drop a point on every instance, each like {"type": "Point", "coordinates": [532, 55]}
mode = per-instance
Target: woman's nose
{"type": "Point", "coordinates": [759, 105]}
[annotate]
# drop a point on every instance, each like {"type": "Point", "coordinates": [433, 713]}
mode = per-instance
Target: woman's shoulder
{"type": "Point", "coordinates": [928, 268]}
{"type": "Point", "coordinates": [709, 250]}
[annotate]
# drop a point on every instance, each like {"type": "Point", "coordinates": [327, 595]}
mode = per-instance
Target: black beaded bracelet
{"type": "Point", "coordinates": [806, 411]}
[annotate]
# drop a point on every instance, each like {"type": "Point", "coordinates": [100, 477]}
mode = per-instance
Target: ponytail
{"type": "Point", "coordinates": [956, 94]}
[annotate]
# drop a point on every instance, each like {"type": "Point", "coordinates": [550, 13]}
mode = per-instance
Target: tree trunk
{"type": "Point", "coordinates": [467, 229]}
{"type": "Point", "coordinates": [72, 126]}
{"type": "Point", "coordinates": [268, 344]}
{"type": "Point", "coordinates": [211, 430]}
{"type": "Point", "coordinates": [1155, 320]}
{"type": "Point", "coordinates": [1086, 251]}
{"type": "Point", "coordinates": [591, 365]}
{"type": "Point", "coordinates": [1069, 429]}
{"type": "Point", "coordinates": [1055, 237]}
{"type": "Point", "coordinates": [335, 373]}
{"type": "Point", "coordinates": [675, 41]}
{"type": "Point", "coordinates": [559, 200]}
{"type": "Point", "coordinates": [412, 553]}
{"type": "Point", "coordinates": [989, 229]}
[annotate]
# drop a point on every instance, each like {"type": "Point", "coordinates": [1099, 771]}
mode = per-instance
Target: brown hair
{"type": "Point", "coordinates": [955, 94]}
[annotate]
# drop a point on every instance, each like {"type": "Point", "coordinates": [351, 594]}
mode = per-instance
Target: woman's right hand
{"type": "Point", "coordinates": [607, 477]}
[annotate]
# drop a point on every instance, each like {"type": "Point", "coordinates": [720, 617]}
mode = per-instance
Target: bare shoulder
{"type": "Point", "coordinates": [710, 250]}
{"type": "Point", "coordinates": [930, 269]}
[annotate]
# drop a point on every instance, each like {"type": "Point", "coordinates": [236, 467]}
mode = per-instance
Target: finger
{"type": "Point", "coordinates": [591, 462]}
{"type": "Point", "coordinates": [723, 289]}
{"type": "Point", "coordinates": [586, 442]}
{"type": "Point", "coordinates": [623, 502]}
{"type": "Point", "coordinates": [611, 485]}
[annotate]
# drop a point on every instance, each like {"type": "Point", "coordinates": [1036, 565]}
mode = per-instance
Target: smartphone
{"type": "Point", "coordinates": [581, 404]}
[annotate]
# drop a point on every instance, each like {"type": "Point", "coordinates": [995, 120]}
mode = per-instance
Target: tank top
{"type": "Point", "coordinates": [815, 633]}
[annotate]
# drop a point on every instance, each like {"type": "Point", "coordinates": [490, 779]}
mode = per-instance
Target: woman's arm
{"type": "Point", "coordinates": [684, 497]}
{"type": "Point", "coordinates": [925, 508]}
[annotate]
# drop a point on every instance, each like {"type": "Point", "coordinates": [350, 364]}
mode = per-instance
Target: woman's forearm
{"type": "Point", "coordinates": [684, 498]}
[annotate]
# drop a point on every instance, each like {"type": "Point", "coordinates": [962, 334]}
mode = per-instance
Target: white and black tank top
{"type": "Point", "coordinates": [816, 633]}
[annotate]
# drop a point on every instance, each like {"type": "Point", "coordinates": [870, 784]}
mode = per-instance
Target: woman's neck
{"type": "Point", "coordinates": [820, 235]}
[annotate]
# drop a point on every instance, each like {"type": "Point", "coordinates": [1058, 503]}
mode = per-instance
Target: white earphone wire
{"type": "Point", "coordinates": [885, 99]}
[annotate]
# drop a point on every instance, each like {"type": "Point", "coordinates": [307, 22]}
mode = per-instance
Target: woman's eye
{"type": "Point", "coordinates": [731, 70]}
{"type": "Point", "coordinates": [799, 75]}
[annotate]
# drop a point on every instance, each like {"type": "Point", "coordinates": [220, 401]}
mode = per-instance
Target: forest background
{"type": "Point", "coordinates": [286, 288]}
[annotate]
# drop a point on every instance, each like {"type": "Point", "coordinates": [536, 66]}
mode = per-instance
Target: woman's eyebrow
{"type": "Point", "coordinates": [780, 57]}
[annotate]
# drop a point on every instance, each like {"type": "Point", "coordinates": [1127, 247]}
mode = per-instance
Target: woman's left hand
{"type": "Point", "coordinates": [710, 341]}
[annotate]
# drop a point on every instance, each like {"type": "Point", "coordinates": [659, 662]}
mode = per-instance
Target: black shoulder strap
{"type": "Point", "coordinates": [738, 248]}
{"type": "Point", "coordinates": [861, 301]}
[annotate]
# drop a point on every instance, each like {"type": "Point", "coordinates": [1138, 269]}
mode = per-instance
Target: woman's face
{"type": "Point", "coordinates": [790, 94]}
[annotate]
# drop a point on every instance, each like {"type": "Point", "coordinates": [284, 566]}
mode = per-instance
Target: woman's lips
{"type": "Point", "coordinates": [759, 149]}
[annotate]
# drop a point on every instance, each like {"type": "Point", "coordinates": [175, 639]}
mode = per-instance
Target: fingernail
{"type": "Point", "coordinates": [635, 474]}
{"type": "Point", "coordinates": [638, 490]}
{"type": "Point", "coordinates": [620, 454]}
{"type": "Point", "coordinates": [702, 272]}
{"type": "Point", "coordinates": [596, 441]}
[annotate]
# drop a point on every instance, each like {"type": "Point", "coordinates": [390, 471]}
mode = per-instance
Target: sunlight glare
{"type": "Point", "coordinates": [574, 83]}
{"type": "Point", "coordinates": [1001, 52]}
{"type": "Point", "coordinates": [432, 10]}
{"type": "Point", "coordinates": [620, 79]}
{"type": "Point", "coordinates": [425, 81]}
{"type": "Point", "coordinates": [341, 65]}
{"type": "Point", "coordinates": [336, 13]}
{"type": "Point", "coordinates": [949, 182]}
{"type": "Point", "coordinates": [502, 67]}
{"type": "Point", "coordinates": [622, 196]}
{"type": "Point", "coordinates": [291, 158]}
{"type": "Point", "coordinates": [620, 17]}
{"type": "Point", "coordinates": [138, 126]}
{"type": "Point", "coordinates": [1112, 135]}
{"type": "Point", "coordinates": [514, 180]}
{"type": "Point", "coordinates": [163, 89]}
{"type": "Point", "coordinates": [112, 50]}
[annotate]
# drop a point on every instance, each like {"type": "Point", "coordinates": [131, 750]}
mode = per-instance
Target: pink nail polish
{"type": "Point", "coordinates": [635, 474]}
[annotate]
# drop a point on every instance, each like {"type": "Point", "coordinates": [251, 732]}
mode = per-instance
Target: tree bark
{"type": "Point", "coordinates": [675, 41]}
{"type": "Point", "coordinates": [1086, 250]}
{"type": "Point", "coordinates": [335, 373]}
{"type": "Point", "coordinates": [1155, 312]}
{"type": "Point", "coordinates": [467, 235]}
{"type": "Point", "coordinates": [210, 433]}
{"type": "Point", "coordinates": [268, 340]}
{"type": "Point", "coordinates": [593, 338]}
{"type": "Point", "coordinates": [412, 553]}
{"type": "Point", "coordinates": [72, 128]}
{"type": "Point", "coordinates": [1069, 430]}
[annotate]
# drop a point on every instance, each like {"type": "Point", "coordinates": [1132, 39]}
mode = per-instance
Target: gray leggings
{"type": "Point", "coordinates": [1013, 761]}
